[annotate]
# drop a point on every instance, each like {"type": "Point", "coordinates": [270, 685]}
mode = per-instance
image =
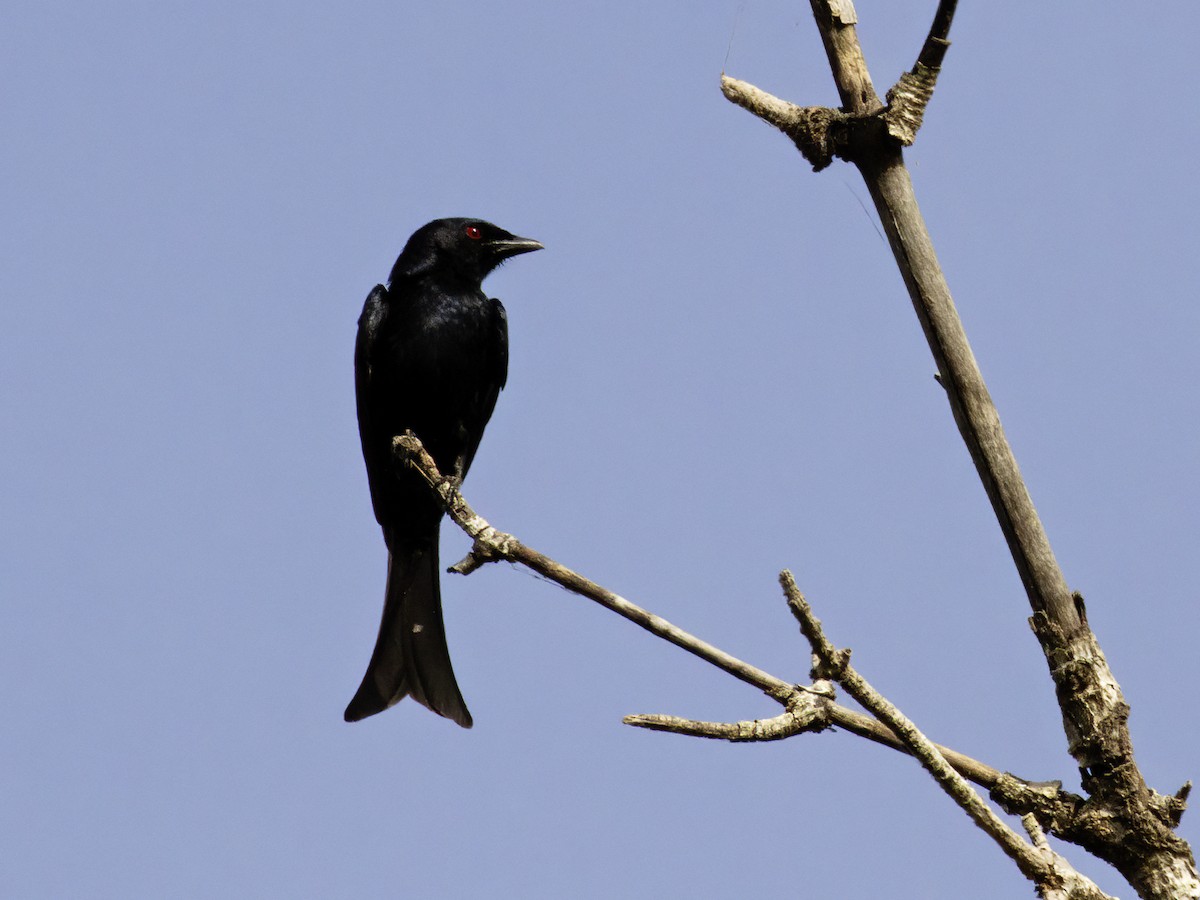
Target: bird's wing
{"type": "Point", "coordinates": [496, 375]}
{"type": "Point", "coordinates": [374, 451]}
{"type": "Point", "coordinates": [500, 357]}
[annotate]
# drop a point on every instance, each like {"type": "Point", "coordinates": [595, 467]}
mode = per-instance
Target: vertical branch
{"type": "Point", "coordinates": [836, 20]}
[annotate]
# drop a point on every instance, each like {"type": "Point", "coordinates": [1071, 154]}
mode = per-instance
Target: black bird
{"type": "Point", "coordinates": [431, 356]}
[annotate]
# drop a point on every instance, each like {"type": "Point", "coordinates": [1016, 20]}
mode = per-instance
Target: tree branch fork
{"type": "Point", "coordinates": [1123, 820]}
{"type": "Point", "coordinates": [821, 133]}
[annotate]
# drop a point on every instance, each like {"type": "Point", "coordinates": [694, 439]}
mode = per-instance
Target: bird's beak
{"type": "Point", "coordinates": [513, 246]}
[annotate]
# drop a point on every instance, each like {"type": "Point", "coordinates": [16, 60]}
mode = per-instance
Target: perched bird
{"type": "Point", "coordinates": [431, 356]}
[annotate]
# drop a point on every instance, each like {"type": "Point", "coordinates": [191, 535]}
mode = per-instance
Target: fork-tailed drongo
{"type": "Point", "coordinates": [431, 356]}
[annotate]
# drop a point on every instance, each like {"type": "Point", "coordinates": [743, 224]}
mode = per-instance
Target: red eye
{"type": "Point", "coordinates": [473, 232]}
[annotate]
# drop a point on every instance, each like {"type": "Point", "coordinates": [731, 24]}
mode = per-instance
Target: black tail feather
{"type": "Point", "coordinates": [411, 657]}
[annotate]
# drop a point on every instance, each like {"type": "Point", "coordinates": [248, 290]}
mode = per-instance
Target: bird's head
{"type": "Point", "coordinates": [462, 249]}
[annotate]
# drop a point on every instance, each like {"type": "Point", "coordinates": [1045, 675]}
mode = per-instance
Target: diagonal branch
{"type": "Point", "coordinates": [887, 178]}
{"type": "Point", "coordinates": [492, 545]}
{"type": "Point", "coordinates": [1037, 862]}
{"type": "Point", "coordinates": [807, 708]}
{"type": "Point", "coordinates": [938, 41]}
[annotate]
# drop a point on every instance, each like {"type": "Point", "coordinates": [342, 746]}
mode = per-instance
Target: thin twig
{"type": "Point", "coordinates": [785, 725]}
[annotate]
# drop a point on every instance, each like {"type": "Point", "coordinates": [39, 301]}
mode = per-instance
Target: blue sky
{"type": "Point", "coordinates": [715, 374]}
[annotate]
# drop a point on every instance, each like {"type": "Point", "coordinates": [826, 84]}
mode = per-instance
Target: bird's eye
{"type": "Point", "coordinates": [473, 232]}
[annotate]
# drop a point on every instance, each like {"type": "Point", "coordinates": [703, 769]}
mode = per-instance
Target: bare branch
{"type": "Point", "coordinates": [492, 545]}
{"type": "Point", "coordinates": [886, 177]}
{"type": "Point", "coordinates": [1040, 865]}
{"type": "Point", "coordinates": [785, 725]}
{"type": "Point", "coordinates": [1143, 846]}
{"type": "Point", "coordinates": [938, 41]}
{"type": "Point", "coordinates": [821, 133]}
{"type": "Point", "coordinates": [866, 727]}
{"type": "Point", "coordinates": [836, 20]}
{"type": "Point", "coordinates": [832, 663]}
{"type": "Point", "coordinates": [808, 708]}
{"type": "Point", "coordinates": [809, 127]}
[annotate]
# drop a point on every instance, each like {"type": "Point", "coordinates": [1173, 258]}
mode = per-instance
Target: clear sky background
{"type": "Point", "coordinates": [716, 373]}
